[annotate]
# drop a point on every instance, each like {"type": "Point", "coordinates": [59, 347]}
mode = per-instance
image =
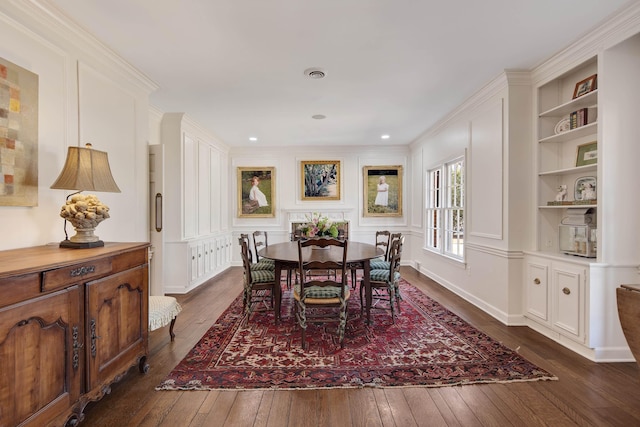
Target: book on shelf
{"type": "Point", "coordinates": [578, 118]}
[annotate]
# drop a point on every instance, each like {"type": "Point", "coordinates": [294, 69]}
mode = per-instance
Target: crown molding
{"type": "Point", "coordinates": [43, 18]}
{"type": "Point", "coordinates": [618, 27]}
{"type": "Point", "coordinates": [492, 88]}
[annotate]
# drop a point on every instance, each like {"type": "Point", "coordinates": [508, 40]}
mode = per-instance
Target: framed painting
{"type": "Point", "coordinates": [382, 190]}
{"type": "Point", "coordinates": [18, 136]}
{"type": "Point", "coordinates": [320, 180]}
{"type": "Point", "coordinates": [256, 192]}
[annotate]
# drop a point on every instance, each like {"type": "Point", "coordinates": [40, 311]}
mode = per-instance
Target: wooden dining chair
{"type": "Point", "coordinates": [260, 240]}
{"type": "Point", "coordinates": [262, 264]}
{"type": "Point", "coordinates": [261, 290]}
{"type": "Point", "coordinates": [383, 238]}
{"type": "Point", "coordinates": [383, 264]}
{"type": "Point", "coordinates": [322, 299]}
{"type": "Point", "coordinates": [384, 284]}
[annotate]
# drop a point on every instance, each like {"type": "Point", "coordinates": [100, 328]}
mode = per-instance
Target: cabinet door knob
{"type": "Point", "coordinates": [566, 291]}
{"type": "Point", "coordinates": [536, 281]}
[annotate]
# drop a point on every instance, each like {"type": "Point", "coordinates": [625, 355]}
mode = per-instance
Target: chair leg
{"type": "Point", "coordinates": [392, 298]}
{"type": "Point", "coordinates": [171, 334]}
{"type": "Point", "coordinates": [343, 323]}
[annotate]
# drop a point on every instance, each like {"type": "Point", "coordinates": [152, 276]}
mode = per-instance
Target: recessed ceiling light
{"type": "Point", "coordinates": [319, 116]}
{"type": "Point", "coordinates": [315, 73]}
{"type": "Point", "coordinates": [253, 139]}
{"type": "Point", "coordinates": [385, 136]}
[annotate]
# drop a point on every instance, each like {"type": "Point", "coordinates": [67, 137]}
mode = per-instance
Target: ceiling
{"type": "Point", "coordinates": [394, 67]}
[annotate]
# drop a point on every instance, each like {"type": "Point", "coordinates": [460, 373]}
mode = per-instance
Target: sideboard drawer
{"type": "Point", "coordinates": [62, 277]}
{"type": "Point", "coordinates": [19, 288]}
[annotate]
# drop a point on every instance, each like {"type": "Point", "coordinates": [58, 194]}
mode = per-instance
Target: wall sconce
{"type": "Point", "coordinates": [85, 169]}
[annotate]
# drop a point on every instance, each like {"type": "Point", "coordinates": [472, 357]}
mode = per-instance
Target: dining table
{"type": "Point", "coordinates": [285, 255]}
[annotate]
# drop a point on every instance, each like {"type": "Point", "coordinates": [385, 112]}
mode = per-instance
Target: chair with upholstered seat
{"type": "Point", "coordinates": [382, 242]}
{"type": "Point", "coordinates": [262, 264]}
{"type": "Point", "coordinates": [384, 284]}
{"type": "Point", "coordinates": [163, 311]}
{"type": "Point", "coordinates": [322, 299]}
{"type": "Point", "coordinates": [383, 264]}
{"type": "Point", "coordinates": [383, 239]}
{"type": "Point", "coordinates": [261, 290]}
{"type": "Point", "coordinates": [260, 241]}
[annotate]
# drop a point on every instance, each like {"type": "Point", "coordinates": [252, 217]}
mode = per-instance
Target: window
{"type": "Point", "coordinates": [445, 209]}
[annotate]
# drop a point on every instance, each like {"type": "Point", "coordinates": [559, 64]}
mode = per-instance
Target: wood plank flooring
{"type": "Point", "coordinates": [587, 393]}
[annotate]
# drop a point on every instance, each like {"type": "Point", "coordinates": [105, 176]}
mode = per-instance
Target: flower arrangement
{"type": "Point", "coordinates": [319, 226]}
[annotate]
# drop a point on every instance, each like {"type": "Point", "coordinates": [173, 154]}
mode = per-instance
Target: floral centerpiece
{"type": "Point", "coordinates": [318, 226]}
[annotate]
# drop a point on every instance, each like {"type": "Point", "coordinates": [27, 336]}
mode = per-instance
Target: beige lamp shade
{"type": "Point", "coordinates": [86, 169]}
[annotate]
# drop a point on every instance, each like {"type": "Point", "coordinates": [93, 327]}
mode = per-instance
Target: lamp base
{"type": "Point", "coordinates": [81, 245]}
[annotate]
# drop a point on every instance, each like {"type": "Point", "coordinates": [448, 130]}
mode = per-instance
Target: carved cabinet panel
{"type": "Point", "coordinates": [40, 358]}
{"type": "Point", "coordinates": [117, 325]}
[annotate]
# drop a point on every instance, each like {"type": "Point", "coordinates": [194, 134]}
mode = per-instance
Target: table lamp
{"type": "Point", "coordinates": [85, 169]}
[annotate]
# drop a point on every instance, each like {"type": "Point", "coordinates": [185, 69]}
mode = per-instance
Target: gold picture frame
{"type": "Point", "coordinates": [256, 192]}
{"type": "Point", "coordinates": [382, 193]}
{"type": "Point", "coordinates": [587, 154]}
{"type": "Point", "coordinates": [320, 179]}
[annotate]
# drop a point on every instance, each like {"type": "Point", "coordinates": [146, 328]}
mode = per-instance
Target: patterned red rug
{"type": "Point", "coordinates": [426, 346]}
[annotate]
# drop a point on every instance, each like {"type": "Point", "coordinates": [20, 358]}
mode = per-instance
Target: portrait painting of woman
{"type": "Point", "coordinates": [256, 189]}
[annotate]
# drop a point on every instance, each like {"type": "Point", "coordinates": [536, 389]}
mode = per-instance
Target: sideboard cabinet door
{"type": "Point", "coordinates": [40, 358]}
{"type": "Point", "coordinates": [116, 326]}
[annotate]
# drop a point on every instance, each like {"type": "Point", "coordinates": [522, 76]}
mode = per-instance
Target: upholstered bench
{"type": "Point", "coordinates": [163, 311]}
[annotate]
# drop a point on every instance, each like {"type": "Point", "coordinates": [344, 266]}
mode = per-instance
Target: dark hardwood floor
{"type": "Point", "coordinates": [587, 393]}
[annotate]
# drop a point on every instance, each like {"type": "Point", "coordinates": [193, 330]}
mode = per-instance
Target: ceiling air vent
{"type": "Point", "coordinates": [314, 73]}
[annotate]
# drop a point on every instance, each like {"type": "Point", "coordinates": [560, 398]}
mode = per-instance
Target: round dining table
{"type": "Point", "coordinates": [285, 255]}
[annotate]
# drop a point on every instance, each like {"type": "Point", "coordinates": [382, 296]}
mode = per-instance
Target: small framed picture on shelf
{"type": "Point", "coordinates": [587, 154]}
{"type": "Point", "coordinates": [585, 86]}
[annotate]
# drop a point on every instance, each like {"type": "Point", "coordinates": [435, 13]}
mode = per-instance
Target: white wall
{"type": "Point", "coordinates": [490, 276]}
{"type": "Point", "coordinates": [113, 117]}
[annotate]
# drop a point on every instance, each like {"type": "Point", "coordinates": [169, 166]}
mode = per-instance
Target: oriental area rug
{"type": "Point", "coordinates": [426, 346]}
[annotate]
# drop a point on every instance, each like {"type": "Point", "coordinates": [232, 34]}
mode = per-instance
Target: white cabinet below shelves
{"type": "Point", "coordinates": [537, 291]}
{"type": "Point", "coordinates": [568, 299]}
{"type": "Point", "coordinates": [555, 296]}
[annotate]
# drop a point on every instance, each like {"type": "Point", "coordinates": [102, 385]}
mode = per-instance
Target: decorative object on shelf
{"type": "Point", "coordinates": [585, 189]}
{"type": "Point", "coordinates": [562, 126]}
{"type": "Point", "coordinates": [318, 226]}
{"type": "Point", "coordinates": [585, 86]}
{"type": "Point", "coordinates": [382, 190]}
{"type": "Point", "coordinates": [587, 154]}
{"type": "Point", "coordinates": [320, 180]}
{"type": "Point", "coordinates": [562, 193]}
{"type": "Point", "coordinates": [256, 192]}
{"type": "Point", "coordinates": [85, 169]}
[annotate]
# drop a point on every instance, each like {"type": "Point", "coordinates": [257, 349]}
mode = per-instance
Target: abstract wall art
{"type": "Point", "coordinates": [18, 136]}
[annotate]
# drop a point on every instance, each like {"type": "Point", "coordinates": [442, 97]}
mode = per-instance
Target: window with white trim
{"type": "Point", "coordinates": [445, 209]}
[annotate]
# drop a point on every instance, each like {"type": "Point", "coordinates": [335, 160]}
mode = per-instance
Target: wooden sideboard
{"type": "Point", "coordinates": [72, 322]}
